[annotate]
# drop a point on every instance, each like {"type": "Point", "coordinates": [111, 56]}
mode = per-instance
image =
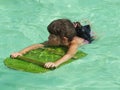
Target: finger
{"type": "Point", "coordinates": [47, 65]}
{"type": "Point", "coordinates": [11, 56]}
{"type": "Point", "coordinates": [52, 65]}
{"type": "Point", "coordinates": [20, 54]}
{"type": "Point", "coordinates": [15, 56]}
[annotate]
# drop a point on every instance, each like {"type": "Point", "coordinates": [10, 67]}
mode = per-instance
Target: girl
{"type": "Point", "coordinates": [62, 32]}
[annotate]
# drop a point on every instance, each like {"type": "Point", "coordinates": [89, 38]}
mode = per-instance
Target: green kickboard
{"type": "Point", "coordinates": [47, 54]}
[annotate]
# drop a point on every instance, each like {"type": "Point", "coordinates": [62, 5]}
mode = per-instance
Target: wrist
{"type": "Point", "coordinates": [57, 64]}
{"type": "Point", "coordinates": [21, 52]}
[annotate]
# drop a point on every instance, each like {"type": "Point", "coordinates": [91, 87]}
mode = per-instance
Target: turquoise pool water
{"type": "Point", "coordinates": [24, 22]}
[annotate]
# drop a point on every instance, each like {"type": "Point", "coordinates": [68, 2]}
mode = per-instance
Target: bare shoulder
{"type": "Point", "coordinates": [78, 40]}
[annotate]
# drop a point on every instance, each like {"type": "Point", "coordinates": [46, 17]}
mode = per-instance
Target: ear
{"type": "Point", "coordinates": [65, 39]}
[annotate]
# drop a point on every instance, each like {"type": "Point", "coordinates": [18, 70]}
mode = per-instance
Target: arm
{"type": "Point", "coordinates": [70, 53]}
{"type": "Point", "coordinates": [32, 47]}
{"type": "Point", "coordinates": [27, 49]}
{"type": "Point", "coordinates": [75, 43]}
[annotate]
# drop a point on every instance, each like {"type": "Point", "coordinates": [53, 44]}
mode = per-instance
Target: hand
{"type": "Point", "coordinates": [16, 54]}
{"type": "Point", "coordinates": [50, 65]}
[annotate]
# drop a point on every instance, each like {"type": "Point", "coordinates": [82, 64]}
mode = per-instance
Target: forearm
{"type": "Point", "coordinates": [32, 47]}
{"type": "Point", "coordinates": [63, 59]}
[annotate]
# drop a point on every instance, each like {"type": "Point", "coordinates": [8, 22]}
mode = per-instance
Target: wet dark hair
{"type": "Point", "coordinates": [83, 31]}
{"type": "Point", "coordinates": [62, 28]}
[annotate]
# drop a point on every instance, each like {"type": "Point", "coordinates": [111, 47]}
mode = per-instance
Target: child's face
{"type": "Point", "coordinates": [53, 39]}
{"type": "Point", "coordinates": [56, 40]}
{"type": "Point", "coordinates": [65, 41]}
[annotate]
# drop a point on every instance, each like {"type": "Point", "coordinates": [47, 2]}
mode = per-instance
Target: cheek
{"type": "Point", "coordinates": [54, 42]}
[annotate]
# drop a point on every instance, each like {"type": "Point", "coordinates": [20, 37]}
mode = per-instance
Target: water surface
{"type": "Point", "coordinates": [24, 22]}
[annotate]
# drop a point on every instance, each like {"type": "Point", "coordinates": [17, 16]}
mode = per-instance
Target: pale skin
{"type": "Point", "coordinates": [72, 49]}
